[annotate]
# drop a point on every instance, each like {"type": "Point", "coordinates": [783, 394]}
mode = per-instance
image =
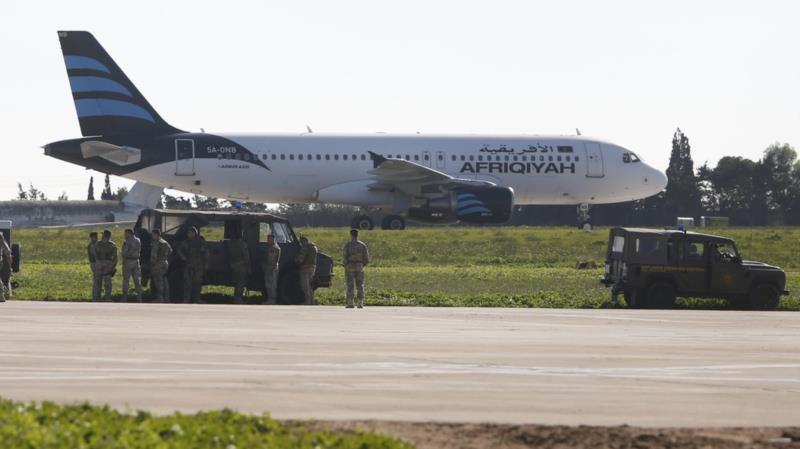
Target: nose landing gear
{"type": "Point", "coordinates": [584, 217]}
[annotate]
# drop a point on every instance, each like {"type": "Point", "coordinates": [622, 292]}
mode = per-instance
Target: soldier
{"type": "Point", "coordinates": [5, 265]}
{"type": "Point", "coordinates": [355, 257]}
{"type": "Point", "coordinates": [307, 258]}
{"type": "Point", "coordinates": [159, 263]}
{"type": "Point", "coordinates": [269, 264]}
{"type": "Point", "coordinates": [106, 263]}
{"type": "Point", "coordinates": [239, 259]}
{"type": "Point", "coordinates": [131, 250]}
{"type": "Point", "coordinates": [194, 254]}
{"type": "Point", "coordinates": [90, 251]}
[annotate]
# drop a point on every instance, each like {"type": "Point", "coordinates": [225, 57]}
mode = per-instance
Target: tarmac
{"type": "Point", "coordinates": [593, 367]}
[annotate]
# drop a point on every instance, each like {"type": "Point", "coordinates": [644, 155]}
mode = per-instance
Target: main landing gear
{"type": "Point", "coordinates": [584, 217]}
{"type": "Point", "coordinates": [389, 222]}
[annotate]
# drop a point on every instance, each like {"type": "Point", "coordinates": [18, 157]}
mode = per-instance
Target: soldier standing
{"type": "Point", "coordinates": [355, 257]}
{"type": "Point", "coordinates": [106, 263]}
{"type": "Point", "coordinates": [239, 259]}
{"type": "Point", "coordinates": [5, 265]}
{"type": "Point", "coordinates": [91, 252]}
{"type": "Point", "coordinates": [269, 264]}
{"type": "Point", "coordinates": [159, 264]}
{"type": "Point", "coordinates": [307, 258]}
{"type": "Point", "coordinates": [131, 250]}
{"type": "Point", "coordinates": [194, 254]}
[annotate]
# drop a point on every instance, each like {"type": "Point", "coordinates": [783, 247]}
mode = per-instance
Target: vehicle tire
{"type": "Point", "coordinates": [586, 226]}
{"type": "Point", "coordinates": [393, 223]}
{"type": "Point", "coordinates": [661, 295]}
{"type": "Point", "coordinates": [289, 292]}
{"type": "Point", "coordinates": [764, 297]}
{"type": "Point", "coordinates": [363, 223]}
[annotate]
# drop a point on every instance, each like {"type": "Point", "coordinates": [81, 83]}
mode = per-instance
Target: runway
{"type": "Point", "coordinates": [594, 367]}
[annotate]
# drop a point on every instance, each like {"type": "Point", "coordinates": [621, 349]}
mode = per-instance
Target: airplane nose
{"type": "Point", "coordinates": [655, 180]}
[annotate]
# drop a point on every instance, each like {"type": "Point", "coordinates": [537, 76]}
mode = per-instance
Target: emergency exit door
{"type": "Point", "coordinates": [594, 160]}
{"type": "Point", "coordinates": [184, 157]}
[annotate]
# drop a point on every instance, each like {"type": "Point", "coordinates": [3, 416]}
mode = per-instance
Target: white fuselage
{"type": "Point", "coordinates": [312, 168]}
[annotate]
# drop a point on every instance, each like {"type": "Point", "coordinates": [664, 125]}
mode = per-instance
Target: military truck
{"type": "Point", "coordinates": [216, 228]}
{"type": "Point", "coordinates": [16, 256]}
{"type": "Point", "coordinates": [652, 267]}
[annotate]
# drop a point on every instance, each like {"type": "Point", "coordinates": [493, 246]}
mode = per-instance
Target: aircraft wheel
{"type": "Point", "coordinates": [363, 223]}
{"type": "Point", "coordinates": [393, 223]}
{"type": "Point", "coordinates": [586, 226]}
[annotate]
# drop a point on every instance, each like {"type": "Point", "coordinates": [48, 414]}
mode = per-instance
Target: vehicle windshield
{"type": "Point", "coordinates": [725, 252]}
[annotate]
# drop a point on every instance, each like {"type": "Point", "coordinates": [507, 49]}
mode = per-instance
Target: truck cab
{"type": "Point", "coordinates": [652, 267]}
{"type": "Point", "coordinates": [218, 227]}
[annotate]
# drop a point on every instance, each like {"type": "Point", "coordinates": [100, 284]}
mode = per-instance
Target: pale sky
{"type": "Point", "coordinates": [630, 71]}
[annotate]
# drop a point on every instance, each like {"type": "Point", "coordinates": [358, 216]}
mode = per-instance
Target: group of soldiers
{"type": "Point", "coordinates": [5, 268]}
{"type": "Point", "coordinates": [194, 256]}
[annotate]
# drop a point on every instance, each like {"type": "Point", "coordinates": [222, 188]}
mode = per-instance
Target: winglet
{"type": "Point", "coordinates": [377, 159]}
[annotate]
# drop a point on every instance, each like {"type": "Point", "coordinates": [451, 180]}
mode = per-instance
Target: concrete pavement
{"type": "Point", "coordinates": [603, 367]}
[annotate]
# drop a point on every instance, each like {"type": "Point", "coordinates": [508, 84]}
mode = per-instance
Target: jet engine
{"type": "Point", "coordinates": [472, 205]}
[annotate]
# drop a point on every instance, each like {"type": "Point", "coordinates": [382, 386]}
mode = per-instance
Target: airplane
{"type": "Point", "coordinates": [425, 178]}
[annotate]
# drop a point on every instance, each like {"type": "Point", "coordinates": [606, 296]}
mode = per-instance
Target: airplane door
{"type": "Point", "coordinates": [426, 158]}
{"type": "Point", "coordinates": [440, 160]}
{"type": "Point", "coordinates": [184, 157]}
{"type": "Point", "coordinates": [594, 160]}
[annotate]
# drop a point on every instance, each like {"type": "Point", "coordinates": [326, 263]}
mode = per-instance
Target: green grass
{"type": "Point", "coordinates": [504, 267]}
{"type": "Point", "coordinates": [47, 425]}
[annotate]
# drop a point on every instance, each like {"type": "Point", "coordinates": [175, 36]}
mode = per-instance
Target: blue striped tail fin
{"type": "Point", "coordinates": [106, 101]}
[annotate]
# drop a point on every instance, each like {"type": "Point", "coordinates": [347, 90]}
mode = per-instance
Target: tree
{"type": "Point", "coordinates": [682, 196]}
{"type": "Point", "coordinates": [778, 165]}
{"type": "Point", "coordinates": [206, 202]}
{"type": "Point", "coordinates": [175, 202]}
{"type": "Point", "coordinates": [106, 194]}
{"type": "Point", "coordinates": [32, 193]}
{"type": "Point", "coordinates": [90, 196]}
{"type": "Point", "coordinates": [63, 197]}
{"type": "Point", "coordinates": [120, 194]}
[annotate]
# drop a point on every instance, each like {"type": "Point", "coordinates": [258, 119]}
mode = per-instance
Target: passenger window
{"type": "Point", "coordinates": [300, 157]}
{"type": "Point", "coordinates": [283, 157]}
{"type": "Point", "coordinates": [626, 158]}
{"type": "Point", "coordinates": [453, 158]}
{"type": "Point", "coordinates": [576, 158]}
{"type": "Point", "coordinates": [480, 158]}
{"type": "Point", "coordinates": [463, 158]}
{"type": "Point", "coordinates": [291, 157]}
{"type": "Point", "coordinates": [335, 157]}
{"type": "Point", "coordinates": [344, 157]}
{"type": "Point", "coordinates": [694, 251]}
{"type": "Point", "coordinates": [355, 158]}
{"type": "Point", "coordinates": [319, 157]}
{"type": "Point", "coordinates": [471, 158]}
{"type": "Point", "coordinates": [427, 157]}
{"type": "Point", "coordinates": [506, 158]}
{"type": "Point", "coordinates": [281, 233]}
{"type": "Point", "coordinates": [618, 245]}
{"type": "Point", "coordinates": [646, 246]}
{"type": "Point", "coordinates": [327, 157]}
{"type": "Point", "coordinates": [363, 157]}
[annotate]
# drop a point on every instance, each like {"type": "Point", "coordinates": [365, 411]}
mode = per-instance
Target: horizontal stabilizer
{"type": "Point", "coordinates": [118, 155]}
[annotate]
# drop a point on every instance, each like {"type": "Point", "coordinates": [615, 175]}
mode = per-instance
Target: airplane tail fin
{"type": "Point", "coordinates": [106, 101]}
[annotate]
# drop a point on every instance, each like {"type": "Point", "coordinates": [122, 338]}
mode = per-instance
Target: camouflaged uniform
{"type": "Point", "coordinates": [270, 259]}
{"type": "Point", "coordinates": [5, 265]}
{"type": "Point", "coordinates": [106, 266]}
{"type": "Point", "coordinates": [307, 258]}
{"type": "Point", "coordinates": [239, 259]}
{"type": "Point", "coordinates": [131, 250]}
{"type": "Point", "coordinates": [96, 283]}
{"type": "Point", "coordinates": [159, 264]}
{"type": "Point", "coordinates": [194, 254]}
{"type": "Point", "coordinates": [355, 257]}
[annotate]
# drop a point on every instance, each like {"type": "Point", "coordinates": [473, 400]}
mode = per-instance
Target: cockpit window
{"type": "Point", "coordinates": [630, 157]}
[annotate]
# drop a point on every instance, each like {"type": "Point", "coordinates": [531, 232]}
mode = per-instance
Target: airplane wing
{"type": "Point", "coordinates": [414, 179]}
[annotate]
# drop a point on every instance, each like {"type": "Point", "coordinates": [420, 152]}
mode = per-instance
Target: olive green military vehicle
{"type": "Point", "coordinates": [652, 267]}
{"type": "Point", "coordinates": [216, 228]}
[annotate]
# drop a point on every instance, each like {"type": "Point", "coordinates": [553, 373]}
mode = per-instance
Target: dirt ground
{"type": "Point", "coordinates": [510, 436]}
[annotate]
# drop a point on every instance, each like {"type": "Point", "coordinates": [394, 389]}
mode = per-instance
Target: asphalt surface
{"type": "Point", "coordinates": [598, 367]}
